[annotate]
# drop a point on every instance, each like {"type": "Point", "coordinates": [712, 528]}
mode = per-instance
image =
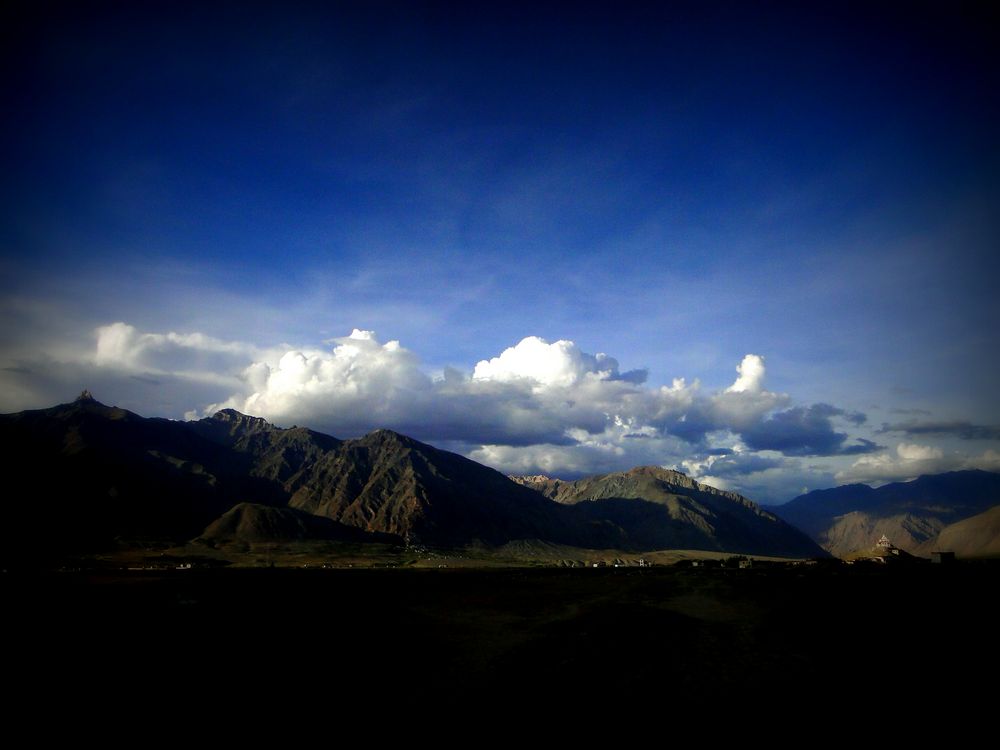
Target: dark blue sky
{"type": "Point", "coordinates": [678, 187]}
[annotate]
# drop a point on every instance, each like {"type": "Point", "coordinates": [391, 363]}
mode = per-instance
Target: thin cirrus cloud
{"type": "Point", "coordinates": [960, 429]}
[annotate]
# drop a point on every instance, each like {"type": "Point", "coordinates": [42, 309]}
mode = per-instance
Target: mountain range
{"type": "Point", "coordinates": [952, 511]}
{"type": "Point", "coordinates": [84, 476]}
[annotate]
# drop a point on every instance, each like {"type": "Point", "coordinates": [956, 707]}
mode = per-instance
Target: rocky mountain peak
{"type": "Point", "coordinates": [384, 436]}
{"type": "Point", "coordinates": [530, 479]}
{"type": "Point", "coordinates": [85, 403]}
{"type": "Point", "coordinates": [659, 472]}
{"type": "Point", "coordinates": [238, 419]}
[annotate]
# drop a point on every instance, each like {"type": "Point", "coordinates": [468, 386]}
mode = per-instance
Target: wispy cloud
{"type": "Point", "coordinates": [959, 429]}
{"type": "Point", "coordinates": [910, 460]}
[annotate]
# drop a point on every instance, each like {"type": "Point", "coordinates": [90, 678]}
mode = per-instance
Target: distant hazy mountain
{"type": "Point", "coordinates": [85, 476]}
{"type": "Point", "coordinates": [852, 517]}
{"type": "Point", "coordinates": [662, 509]}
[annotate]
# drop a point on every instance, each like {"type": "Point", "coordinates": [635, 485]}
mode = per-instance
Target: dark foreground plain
{"type": "Point", "coordinates": [772, 633]}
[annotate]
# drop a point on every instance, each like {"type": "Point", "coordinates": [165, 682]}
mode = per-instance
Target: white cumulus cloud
{"type": "Point", "coordinates": [360, 379]}
{"type": "Point", "coordinates": [533, 393]}
{"type": "Point", "coordinates": [561, 363]}
{"type": "Point", "coordinates": [751, 375]}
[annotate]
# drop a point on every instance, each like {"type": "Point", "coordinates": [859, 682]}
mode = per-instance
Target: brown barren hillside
{"type": "Point", "coordinates": [978, 536]}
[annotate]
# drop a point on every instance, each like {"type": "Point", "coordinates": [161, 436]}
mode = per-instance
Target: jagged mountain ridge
{"type": "Point", "coordinates": [89, 475]}
{"type": "Point", "coordinates": [277, 454]}
{"type": "Point", "coordinates": [388, 482]}
{"type": "Point", "coordinates": [114, 475]}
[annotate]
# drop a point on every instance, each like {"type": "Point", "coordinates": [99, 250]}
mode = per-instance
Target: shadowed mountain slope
{"type": "Point", "coordinates": [285, 456]}
{"type": "Point", "coordinates": [82, 475]}
{"type": "Point", "coordinates": [85, 476]}
{"type": "Point", "coordinates": [250, 522]}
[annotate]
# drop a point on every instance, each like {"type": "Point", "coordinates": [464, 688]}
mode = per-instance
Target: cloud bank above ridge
{"type": "Point", "coordinates": [537, 406]}
{"type": "Point", "coordinates": [532, 393]}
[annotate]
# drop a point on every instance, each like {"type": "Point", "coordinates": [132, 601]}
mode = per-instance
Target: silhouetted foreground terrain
{"type": "Point", "coordinates": [683, 633]}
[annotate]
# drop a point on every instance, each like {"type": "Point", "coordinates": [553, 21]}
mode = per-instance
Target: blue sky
{"type": "Point", "coordinates": [193, 193]}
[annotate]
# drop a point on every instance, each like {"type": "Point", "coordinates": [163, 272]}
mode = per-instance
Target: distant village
{"type": "Point", "coordinates": [882, 552]}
